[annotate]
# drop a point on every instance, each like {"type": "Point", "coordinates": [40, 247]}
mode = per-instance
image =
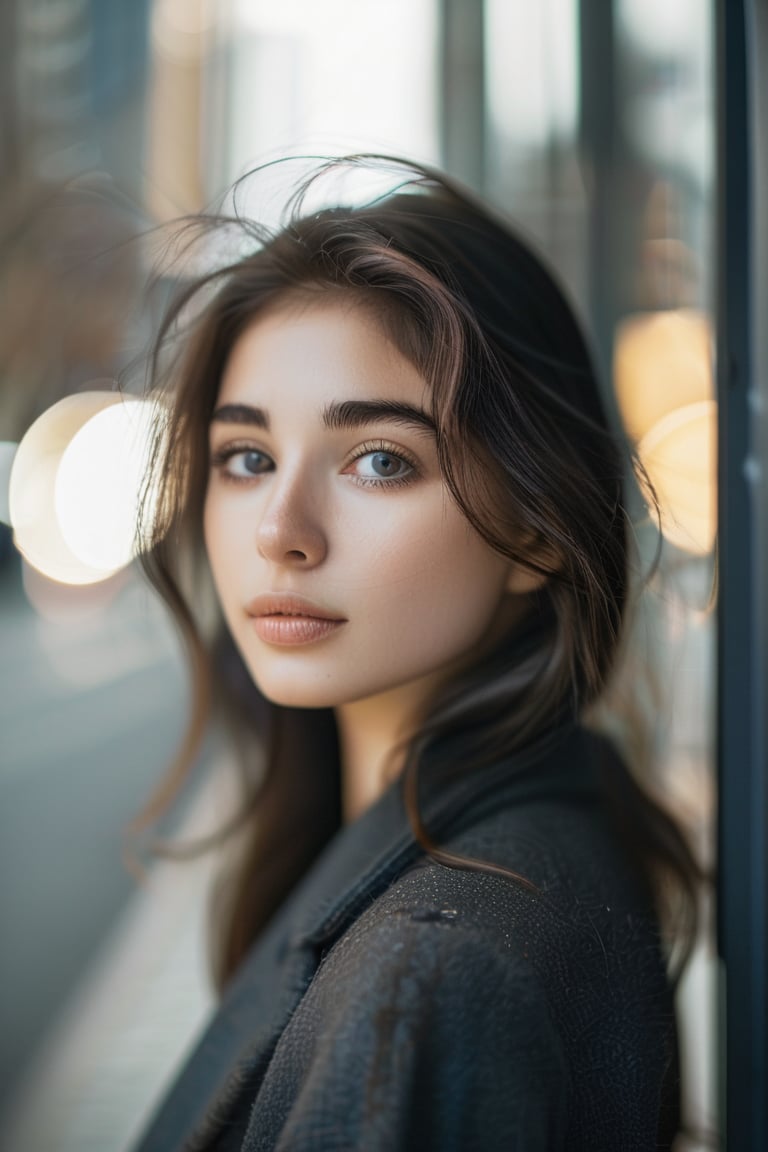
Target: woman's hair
{"type": "Point", "coordinates": [526, 450]}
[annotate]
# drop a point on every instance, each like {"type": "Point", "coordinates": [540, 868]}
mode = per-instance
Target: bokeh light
{"type": "Point", "coordinates": [679, 454]}
{"type": "Point", "coordinates": [663, 373]}
{"type": "Point", "coordinates": [98, 484]}
{"type": "Point", "coordinates": [75, 483]}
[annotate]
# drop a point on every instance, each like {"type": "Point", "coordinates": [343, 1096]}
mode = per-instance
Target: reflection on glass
{"type": "Point", "coordinates": [665, 389]}
{"type": "Point", "coordinates": [234, 83]}
{"type": "Point", "coordinates": [663, 355]}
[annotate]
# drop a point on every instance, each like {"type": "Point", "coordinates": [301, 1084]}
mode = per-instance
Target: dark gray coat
{"type": "Point", "coordinates": [398, 1004]}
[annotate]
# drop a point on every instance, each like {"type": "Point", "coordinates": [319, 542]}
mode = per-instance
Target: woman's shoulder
{"type": "Point", "coordinates": [550, 1005]}
{"type": "Point", "coordinates": [543, 885]}
{"type": "Point", "coordinates": [564, 929]}
{"type": "Point", "coordinates": [543, 882]}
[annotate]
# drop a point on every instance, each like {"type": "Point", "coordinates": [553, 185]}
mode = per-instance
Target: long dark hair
{"type": "Point", "coordinates": [527, 452]}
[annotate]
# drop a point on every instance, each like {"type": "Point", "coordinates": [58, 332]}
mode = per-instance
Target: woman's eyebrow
{"type": "Point", "coordinates": [337, 415]}
{"type": "Point", "coordinates": [356, 413]}
{"type": "Point", "coordinates": [241, 414]}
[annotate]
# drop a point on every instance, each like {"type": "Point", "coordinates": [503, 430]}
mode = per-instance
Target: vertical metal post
{"type": "Point", "coordinates": [604, 155]}
{"type": "Point", "coordinates": [9, 125]}
{"type": "Point", "coordinates": [598, 146]}
{"type": "Point", "coordinates": [462, 91]}
{"type": "Point", "coordinates": [742, 719]}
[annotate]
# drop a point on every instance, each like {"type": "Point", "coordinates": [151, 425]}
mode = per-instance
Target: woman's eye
{"type": "Point", "coordinates": [382, 465]}
{"type": "Point", "coordinates": [242, 463]}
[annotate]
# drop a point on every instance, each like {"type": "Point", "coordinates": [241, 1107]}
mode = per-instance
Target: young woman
{"type": "Point", "coordinates": [449, 923]}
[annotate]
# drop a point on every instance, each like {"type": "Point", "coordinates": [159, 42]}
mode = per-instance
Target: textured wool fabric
{"type": "Point", "coordinates": [395, 1003]}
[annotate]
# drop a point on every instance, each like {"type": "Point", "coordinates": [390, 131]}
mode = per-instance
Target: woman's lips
{"type": "Point", "coordinates": [290, 620]}
{"type": "Point", "coordinates": [293, 629]}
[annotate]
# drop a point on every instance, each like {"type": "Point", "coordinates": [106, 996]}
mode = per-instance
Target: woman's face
{"type": "Point", "coordinates": [344, 569]}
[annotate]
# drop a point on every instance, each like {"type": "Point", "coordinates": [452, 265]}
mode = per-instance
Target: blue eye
{"type": "Point", "coordinates": [382, 466]}
{"type": "Point", "coordinates": [242, 463]}
{"type": "Point", "coordinates": [253, 461]}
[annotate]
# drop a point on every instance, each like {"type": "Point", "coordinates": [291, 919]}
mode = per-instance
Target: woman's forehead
{"type": "Point", "coordinates": [312, 351]}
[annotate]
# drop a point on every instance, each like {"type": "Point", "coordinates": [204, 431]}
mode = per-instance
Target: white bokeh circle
{"type": "Point", "coordinates": [74, 486]}
{"type": "Point", "coordinates": [99, 482]}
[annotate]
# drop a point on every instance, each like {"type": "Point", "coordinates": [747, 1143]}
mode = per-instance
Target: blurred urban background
{"type": "Point", "coordinates": [592, 125]}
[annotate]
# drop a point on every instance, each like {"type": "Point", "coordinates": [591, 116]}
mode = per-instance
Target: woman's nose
{"type": "Point", "coordinates": [290, 531]}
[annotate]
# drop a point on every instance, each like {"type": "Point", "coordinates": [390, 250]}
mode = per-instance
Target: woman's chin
{"type": "Point", "coordinates": [297, 695]}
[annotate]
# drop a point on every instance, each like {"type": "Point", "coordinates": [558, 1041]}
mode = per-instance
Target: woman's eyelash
{"type": "Point", "coordinates": [393, 451]}
{"type": "Point", "coordinates": [222, 457]}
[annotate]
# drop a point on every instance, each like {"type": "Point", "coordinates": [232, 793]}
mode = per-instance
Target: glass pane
{"type": "Point", "coordinates": [594, 130]}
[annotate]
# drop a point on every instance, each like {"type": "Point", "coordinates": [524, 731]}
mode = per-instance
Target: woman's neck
{"type": "Point", "coordinates": [374, 733]}
{"type": "Point", "coordinates": [373, 736]}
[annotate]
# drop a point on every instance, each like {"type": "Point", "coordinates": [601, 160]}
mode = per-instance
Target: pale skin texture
{"type": "Point", "coordinates": [356, 519]}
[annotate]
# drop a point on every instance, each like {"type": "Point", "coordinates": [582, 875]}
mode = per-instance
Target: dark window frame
{"type": "Point", "coordinates": [742, 752]}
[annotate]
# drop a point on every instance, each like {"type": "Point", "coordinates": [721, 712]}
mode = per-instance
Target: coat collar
{"type": "Point", "coordinates": [366, 855]}
{"type": "Point", "coordinates": [211, 1097]}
